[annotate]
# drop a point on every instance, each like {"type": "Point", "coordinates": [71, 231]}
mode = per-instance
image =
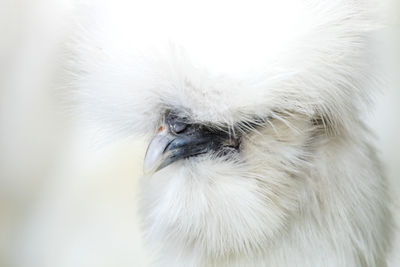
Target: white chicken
{"type": "Point", "coordinates": [258, 154]}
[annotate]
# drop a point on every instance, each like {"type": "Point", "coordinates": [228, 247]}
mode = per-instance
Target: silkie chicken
{"type": "Point", "coordinates": [258, 154]}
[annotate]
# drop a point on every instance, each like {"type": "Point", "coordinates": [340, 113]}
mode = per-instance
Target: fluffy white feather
{"type": "Point", "coordinates": [306, 188]}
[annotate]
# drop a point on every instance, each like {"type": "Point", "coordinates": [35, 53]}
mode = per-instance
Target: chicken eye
{"type": "Point", "coordinates": [178, 127]}
{"type": "Point", "coordinates": [176, 124]}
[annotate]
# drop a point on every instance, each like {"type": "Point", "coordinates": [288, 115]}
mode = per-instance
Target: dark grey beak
{"type": "Point", "coordinates": [177, 140]}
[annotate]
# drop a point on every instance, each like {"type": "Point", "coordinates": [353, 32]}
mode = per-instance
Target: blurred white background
{"type": "Point", "coordinates": [65, 202]}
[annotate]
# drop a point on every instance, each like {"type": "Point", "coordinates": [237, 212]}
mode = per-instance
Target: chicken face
{"type": "Point", "coordinates": [177, 139]}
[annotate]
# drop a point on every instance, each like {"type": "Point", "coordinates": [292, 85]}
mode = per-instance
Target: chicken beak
{"type": "Point", "coordinates": [155, 155]}
{"type": "Point", "coordinates": [169, 145]}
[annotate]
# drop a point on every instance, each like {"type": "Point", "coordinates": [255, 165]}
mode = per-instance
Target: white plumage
{"type": "Point", "coordinates": [290, 80]}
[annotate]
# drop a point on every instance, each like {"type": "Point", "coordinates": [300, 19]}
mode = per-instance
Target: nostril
{"type": "Point", "coordinates": [178, 127]}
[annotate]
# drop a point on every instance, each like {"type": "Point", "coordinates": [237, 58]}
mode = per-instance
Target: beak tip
{"type": "Point", "coordinates": [155, 155]}
{"type": "Point", "coordinates": [151, 167]}
{"type": "Point", "coordinates": [146, 169]}
{"type": "Point", "coordinates": [151, 164]}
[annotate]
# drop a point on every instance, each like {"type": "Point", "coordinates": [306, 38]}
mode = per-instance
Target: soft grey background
{"type": "Point", "coordinates": [64, 202]}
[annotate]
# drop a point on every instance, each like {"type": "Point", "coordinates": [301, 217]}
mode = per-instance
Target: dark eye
{"type": "Point", "coordinates": [176, 124]}
{"type": "Point", "coordinates": [178, 127]}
